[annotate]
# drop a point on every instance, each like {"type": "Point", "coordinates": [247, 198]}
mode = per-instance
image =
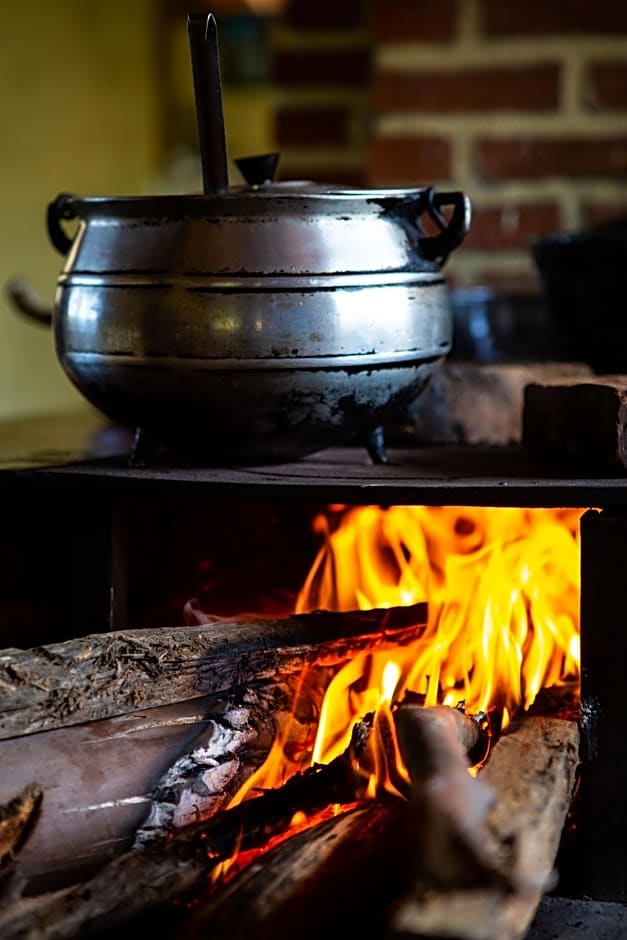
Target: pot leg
{"type": "Point", "coordinates": [375, 444]}
{"type": "Point", "coordinates": [143, 448]}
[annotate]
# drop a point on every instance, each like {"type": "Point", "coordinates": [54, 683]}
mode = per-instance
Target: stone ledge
{"type": "Point", "coordinates": [479, 403]}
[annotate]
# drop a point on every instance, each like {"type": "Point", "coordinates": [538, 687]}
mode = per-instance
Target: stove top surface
{"type": "Point", "coordinates": [82, 450]}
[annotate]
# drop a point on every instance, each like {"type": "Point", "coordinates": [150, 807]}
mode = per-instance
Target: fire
{"type": "Point", "coordinates": [502, 589]}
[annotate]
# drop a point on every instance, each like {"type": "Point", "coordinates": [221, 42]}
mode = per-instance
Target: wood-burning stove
{"type": "Point", "coordinates": [92, 544]}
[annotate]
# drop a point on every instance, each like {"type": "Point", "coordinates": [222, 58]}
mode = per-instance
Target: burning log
{"type": "Point", "coordinates": [17, 819]}
{"type": "Point", "coordinates": [188, 760]}
{"type": "Point", "coordinates": [449, 806]}
{"type": "Point", "coordinates": [346, 873]}
{"type": "Point", "coordinates": [369, 868]}
{"type": "Point", "coordinates": [532, 771]}
{"type": "Point", "coordinates": [103, 675]}
{"type": "Point", "coordinates": [202, 781]}
{"type": "Point", "coordinates": [330, 881]}
{"type": "Point", "coordinates": [149, 876]}
{"type": "Point", "coordinates": [349, 872]}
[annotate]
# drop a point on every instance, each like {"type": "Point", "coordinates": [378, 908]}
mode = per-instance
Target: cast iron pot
{"type": "Point", "coordinates": [262, 323]}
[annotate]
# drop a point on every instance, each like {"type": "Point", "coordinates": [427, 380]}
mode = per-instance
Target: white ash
{"type": "Point", "coordinates": [202, 782]}
{"type": "Point", "coordinates": [197, 784]}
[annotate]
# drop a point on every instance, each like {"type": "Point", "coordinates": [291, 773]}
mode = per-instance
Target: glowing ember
{"type": "Point", "coordinates": [502, 587]}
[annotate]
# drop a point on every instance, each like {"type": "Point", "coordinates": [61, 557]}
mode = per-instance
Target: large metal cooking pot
{"type": "Point", "coordinates": [261, 323]}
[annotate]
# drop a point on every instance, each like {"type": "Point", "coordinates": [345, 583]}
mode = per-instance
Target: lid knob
{"type": "Point", "coordinates": [258, 169]}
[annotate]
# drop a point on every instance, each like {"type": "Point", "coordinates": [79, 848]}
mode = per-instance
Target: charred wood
{"type": "Point", "coordinates": [240, 731]}
{"type": "Point", "coordinates": [331, 881]}
{"type": "Point", "coordinates": [103, 675]}
{"type": "Point", "coordinates": [17, 819]}
{"type": "Point", "coordinates": [150, 772]}
{"type": "Point", "coordinates": [347, 874]}
{"type": "Point", "coordinates": [173, 868]}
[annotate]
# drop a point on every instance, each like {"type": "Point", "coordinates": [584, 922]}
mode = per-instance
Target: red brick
{"type": "Point", "coordinates": [606, 87]}
{"type": "Point", "coordinates": [413, 161]}
{"type": "Point", "coordinates": [582, 421]}
{"type": "Point", "coordinates": [600, 213]}
{"type": "Point", "coordinates": [480, 402]}
{"type": "Point", "coordinates": [511, 227]}
{"type": "Point", "coordinates": [324, 14]}
{"type": "Point", "coordinates": [329, 67]}
{"type": "Point", "coordinates": [535, 158]}
{"type": "Point", "coordinates": [539, 17]}
{"type": "Point", "coordinates": [312, 126]}
{"type": "Point", "coordinates": [535, 88]}
{"type": "Point", "coordinates": [414, 20]}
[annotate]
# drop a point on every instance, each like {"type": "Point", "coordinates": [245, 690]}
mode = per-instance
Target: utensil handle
{"type": "Point", "coordinates": [203, 44]}
{"type": "Point", "coordinates": [59, 209]}
{"type": "Point", "coordinates": [452, 233]}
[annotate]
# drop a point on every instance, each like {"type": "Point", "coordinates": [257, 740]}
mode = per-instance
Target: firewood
{"type": "Point", "coordinates": [108, 783]}
{"type": "Point", "coordinates": [532, 770]}
{"type": "Point", "coordinates": [17, 819]}
{"type": "Point", "coordinates": [343, 876]}
{"type": "Point", "coordinates": [170, 869]}
{"type": "Point", "coordinates": [102, 675]}
{"type": "Point", "coordinates": [313, 888]}
{"type": "Point", "coordinates": [449, 805]}
{"type": "Point", "coordinates": [333, 880]}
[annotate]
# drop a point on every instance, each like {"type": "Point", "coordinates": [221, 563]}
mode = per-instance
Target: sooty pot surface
{"type": "Point", "coordinates": [261, 323]}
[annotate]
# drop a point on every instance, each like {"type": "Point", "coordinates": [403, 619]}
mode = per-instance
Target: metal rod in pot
{"type": "Point", "coordinates": [203, 42]}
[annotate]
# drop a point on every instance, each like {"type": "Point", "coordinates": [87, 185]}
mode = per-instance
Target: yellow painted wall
{"type": "Point", "coordinates": [77, 112]}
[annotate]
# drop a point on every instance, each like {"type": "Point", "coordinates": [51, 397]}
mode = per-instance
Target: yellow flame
{"type": "Point", "coordinates": [502, 588]}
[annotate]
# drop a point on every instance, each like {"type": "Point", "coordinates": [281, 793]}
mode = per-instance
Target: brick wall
{"type": "Point", "coordinates": [323, 68]}
{"type": "Point", "coordinates": [523, 105]}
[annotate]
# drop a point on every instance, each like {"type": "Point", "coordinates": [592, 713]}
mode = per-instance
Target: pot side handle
{"type": "Point", "coordinates": [18, 290]}
{"type": "Point", "coordinates": [452, 232]}
{"type": "Point", "coordinates": [60, 208]}
{"type": "Point", "coordinates": [27, 301]}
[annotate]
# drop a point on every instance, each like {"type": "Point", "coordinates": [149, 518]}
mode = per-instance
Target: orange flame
{"type": "Point", "coordinates": [502, 588]}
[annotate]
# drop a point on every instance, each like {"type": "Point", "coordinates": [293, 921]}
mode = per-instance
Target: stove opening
{"type": "Point", "coordinates": [452, 657]}
{"type": "Point", "coordinates": [501, 589]}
